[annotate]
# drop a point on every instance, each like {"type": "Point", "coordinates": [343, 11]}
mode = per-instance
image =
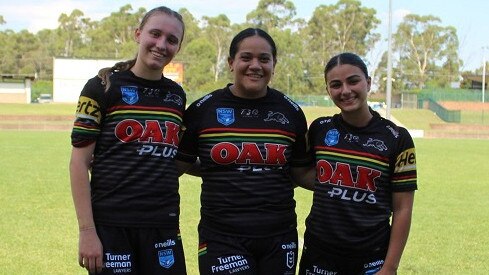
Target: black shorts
{"type": "Point", "coordinates": [222, 254]}
{"type": "Point", "coordinates": [318, 259]}
{"type": "Point", "coordinates": [141, 251]}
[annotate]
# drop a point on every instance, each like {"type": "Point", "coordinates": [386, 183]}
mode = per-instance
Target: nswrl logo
{"type": "Point", "coordinates": [225, 116]}
{"type": "Point", "coordinates": [166, 258]}
{"type": "Point", "coordinates": [130, 94]}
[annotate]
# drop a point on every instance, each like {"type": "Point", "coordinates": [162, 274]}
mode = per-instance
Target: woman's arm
{"type": "Point", "coordinates": [303, 176]}
{"type": "Point", "coordinates": [90, 247]}
{"type": "Point", "coordinates": [188, 168]}
{"type": "Point", "coordinates": [402, 204]}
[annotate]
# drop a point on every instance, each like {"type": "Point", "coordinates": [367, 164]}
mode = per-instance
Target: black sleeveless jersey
{"type": "Point", "coordinates": [246, 148]}
{"type": "Point", "coordinates": [136, 125]}
{"type": "Point", "coordinates": [357, 169]}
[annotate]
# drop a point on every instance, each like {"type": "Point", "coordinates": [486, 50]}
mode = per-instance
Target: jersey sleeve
{"type": "Point", "coordinates": [311, 136]}
{"type": "Point", "coordinates": [89, 114]}
{"type": "Point", "coordinates": [188, 147]}
{"type": "Point", "coordinates": [404, 177]}
{"type": "Point", "coordinates": [300, 155]}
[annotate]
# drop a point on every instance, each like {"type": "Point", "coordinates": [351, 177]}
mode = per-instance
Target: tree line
{"type": "Point", "coordinates": [424, 52]}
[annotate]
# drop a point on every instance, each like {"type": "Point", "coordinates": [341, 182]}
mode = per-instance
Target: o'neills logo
{"type": "Point", "coordinates": [167, 243]}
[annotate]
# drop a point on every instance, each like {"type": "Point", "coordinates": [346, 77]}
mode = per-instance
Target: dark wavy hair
{"type": "Point", "coordinates": [233, 48]}
{"type": "Point", "coordinates": [346, 58]}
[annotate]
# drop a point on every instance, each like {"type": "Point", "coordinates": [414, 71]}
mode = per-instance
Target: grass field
{"type": "Point", "coordinates": [39, 232]}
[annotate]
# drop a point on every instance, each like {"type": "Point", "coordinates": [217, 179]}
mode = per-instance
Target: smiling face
{"type": "Point", "coordinates": [159, 41]}
{"type": "Point", "coordinates": [348, 87]}
{"type": "Point", "coordinates": [252, 66]}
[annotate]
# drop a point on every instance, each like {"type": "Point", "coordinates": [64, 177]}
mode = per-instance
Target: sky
{"type": "Point", "coordinates": [468, 17]}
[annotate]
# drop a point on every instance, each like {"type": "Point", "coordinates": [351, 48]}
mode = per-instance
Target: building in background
{"type": "Point", "coordinates": [15, 88]}
{"type": "Point", "coordinates": [70, 75]}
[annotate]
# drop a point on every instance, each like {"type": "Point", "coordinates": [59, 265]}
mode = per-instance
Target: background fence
{"type": "Point", "coordinates": [451, 105]}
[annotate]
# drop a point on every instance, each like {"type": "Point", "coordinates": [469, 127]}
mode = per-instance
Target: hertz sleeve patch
{"type": "Point", "coordinates": [88, 108]}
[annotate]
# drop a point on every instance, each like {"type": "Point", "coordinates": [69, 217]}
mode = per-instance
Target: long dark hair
{"type": "Point", "coordinates": [105, 73]}
{"type": "Point", "coordinates": [233, 48]}
{"type": "Point", "coordinates": [346, 58]}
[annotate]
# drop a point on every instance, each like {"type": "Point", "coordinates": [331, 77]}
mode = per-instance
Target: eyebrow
{"type": "Point", "coordinates": [354, 75]}
{"type": "Point", "coordinates": [348, 78]}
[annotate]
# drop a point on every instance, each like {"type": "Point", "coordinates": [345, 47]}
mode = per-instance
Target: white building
{"type": "Point", "coordinates": [70, 75]}
{"type": "Point", "coordinates": [15, 88]}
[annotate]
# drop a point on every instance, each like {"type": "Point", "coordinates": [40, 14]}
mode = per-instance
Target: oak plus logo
{"type": "Point", "coordinates": [164, 141]}
{"type": "Point", "coordinates": [248, 153]}
{"type": "Point", "coordinates": [359, 188]}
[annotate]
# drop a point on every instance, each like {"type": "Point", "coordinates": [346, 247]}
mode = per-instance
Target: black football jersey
{"type": "Point", "coordinates": [246, 148]}
{"type": "Point", "coordinates": [136, 125]}
{"type": "Point", "coordinates": [357, 169]}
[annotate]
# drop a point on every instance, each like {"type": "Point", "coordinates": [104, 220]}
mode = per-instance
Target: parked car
{"type": "Point", "coordinates": [44, 98]}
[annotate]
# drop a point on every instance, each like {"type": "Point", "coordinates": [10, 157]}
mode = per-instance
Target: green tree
{"type": "Point", "coordinates": [199, 66]}
{"type": "Point", "coordinates": [218, 32]}
{"type": "Point", "coordinates": [426, 51]}
{"type": "Point", "coordinates": [8, 53]}
{"type": "Point", "coordinates": [114, 35]}
{"type": "Point", "coordinates": [71, 31]}
{"type": "Point", "coordinates": [289, 76]}
{"type": "Point", "coordinates": [380, 77]}
{"type": "Point", "coordinates": [332, 29]}
{"type": "Point", "coordinates": [271, 14]}
{"type": "Point", "coordinates": [192, 29]}
{"type": "Point", "coordinates": [26, 46]}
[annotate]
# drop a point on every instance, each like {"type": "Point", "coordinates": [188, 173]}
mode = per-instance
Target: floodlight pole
{"type": "Point", "coordinates": [389, 65]}
{"type": "Point", "coordinates": [483, 73]}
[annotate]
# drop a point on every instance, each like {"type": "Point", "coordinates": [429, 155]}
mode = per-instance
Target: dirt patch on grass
{"type": "Point", "coordinates": [464, 105]}
{"type": "Point", "coordinates": [36, 118]}
{"type": "Point", "coordinates": [36, 122]}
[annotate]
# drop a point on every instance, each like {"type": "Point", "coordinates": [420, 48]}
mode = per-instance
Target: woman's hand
{"type": "Point", "coordinates": [90, 250]}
